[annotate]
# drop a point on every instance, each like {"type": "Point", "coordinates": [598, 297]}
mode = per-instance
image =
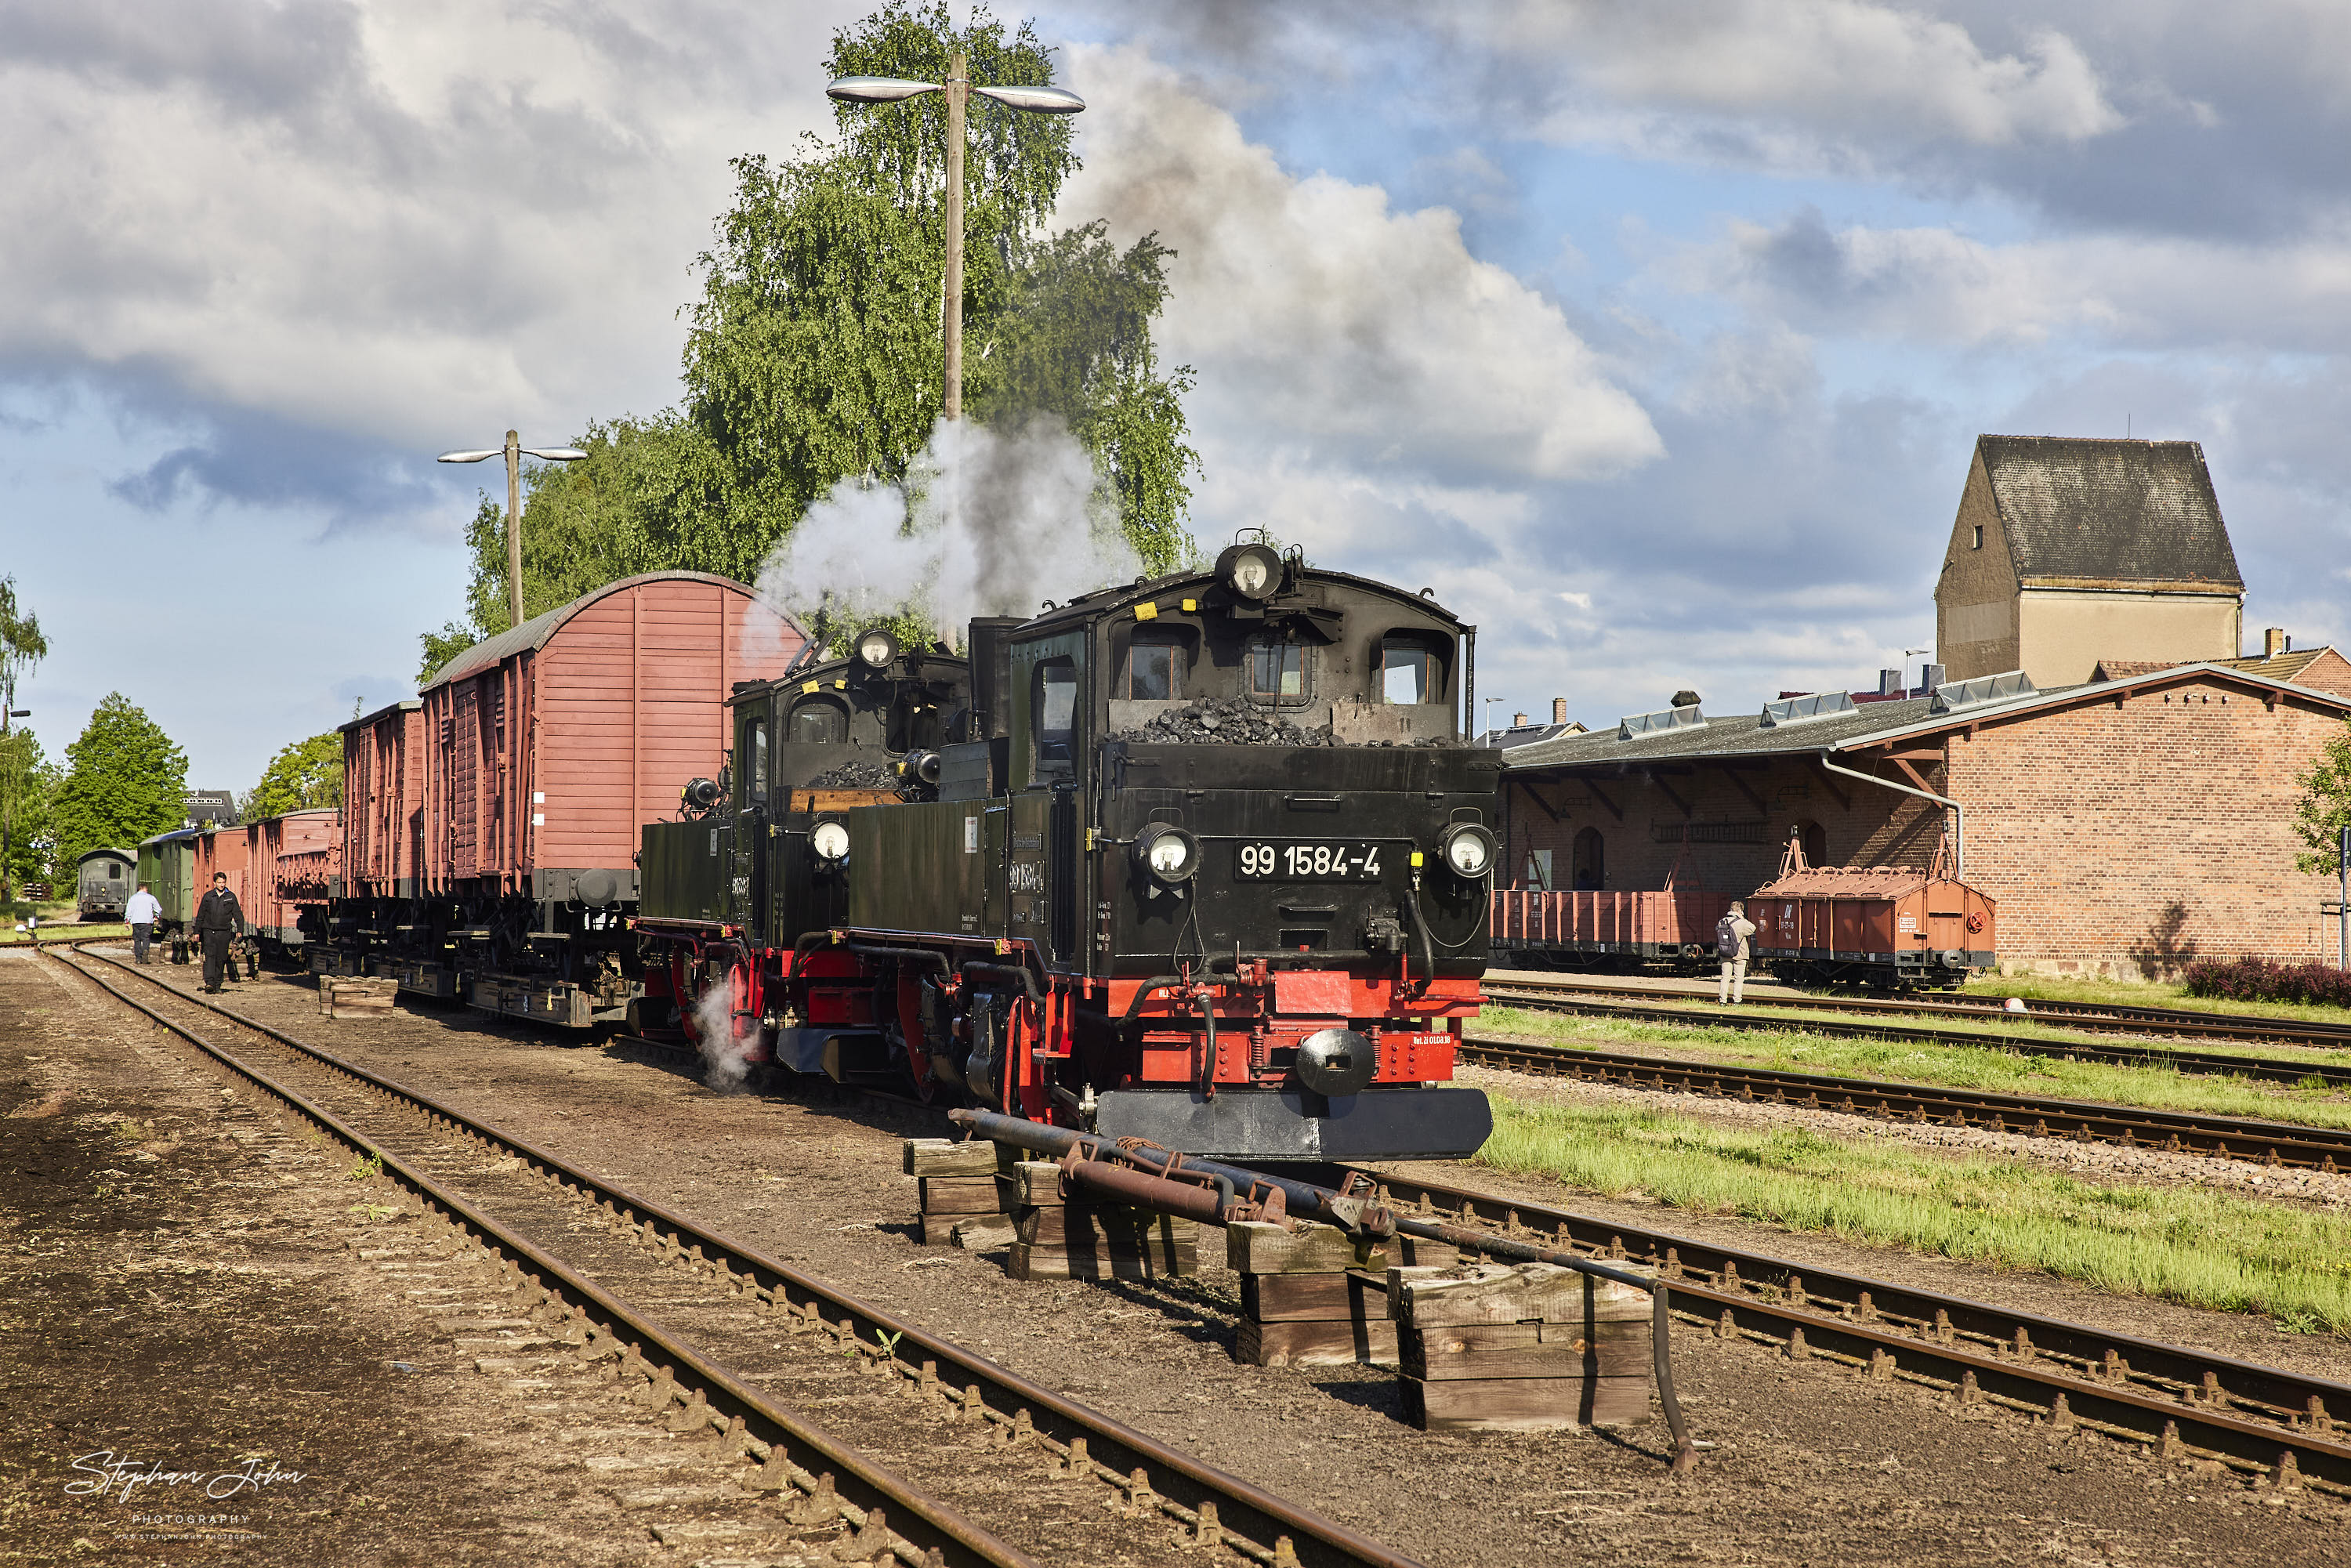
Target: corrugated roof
{"type": "Point", "coordinates": [2084, 510]}
{"type": "Point", "coordinates": [1744, 735]}
{"type": "Point", "coordinates": [533, 633]}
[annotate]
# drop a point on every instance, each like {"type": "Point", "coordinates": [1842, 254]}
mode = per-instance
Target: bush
{"type": "Point", "coordinates": [2267, 980]}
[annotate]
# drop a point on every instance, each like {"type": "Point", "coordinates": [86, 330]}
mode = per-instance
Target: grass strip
{"type": "Point", "coordinates": [2182, 1244]}
{"type": "Point", "coordinates": [2139, 994]}
{"type": "Point", "coordinates": [62, 931]}
{"type": "Point", "coordinates": [2019, 1071]}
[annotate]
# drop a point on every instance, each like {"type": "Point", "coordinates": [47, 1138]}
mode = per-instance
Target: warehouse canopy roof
{"type": "Point", "coordinates": [1876, 723]}
{"type": "Point", "coordinates": [2078, 510]}
{"type": "Point", "coordinates": [534, 633]}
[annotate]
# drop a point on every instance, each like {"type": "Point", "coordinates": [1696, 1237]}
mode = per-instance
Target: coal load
{"type": "Point", "coordinates": [855, 776]}
{"type": "Point", "coordinates": [1222, 721]}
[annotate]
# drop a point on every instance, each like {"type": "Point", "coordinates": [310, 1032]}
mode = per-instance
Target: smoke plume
{"type": "Point", "coordinates": [724, 1058]}
{"type": "Point", "coordinates": [988, 523]}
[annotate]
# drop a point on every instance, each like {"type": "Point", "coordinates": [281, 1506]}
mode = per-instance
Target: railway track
{"type": "Point", "coordinates": [581, 1252]}
{"type": "Point", "coordinates": [1753, 1016]}
{"type": "Point", "coordinates": [2280, 1428]}
{"type": "Point", "coordinates": [2176, 1132]}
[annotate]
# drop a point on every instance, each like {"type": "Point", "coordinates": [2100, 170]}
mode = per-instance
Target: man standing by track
{"type": "Point", "coordinates": [140, 915]}
{"type": "Point", "coordinates": [1731, 935]}
{"type": "Point", "coordinates": [220, 920]}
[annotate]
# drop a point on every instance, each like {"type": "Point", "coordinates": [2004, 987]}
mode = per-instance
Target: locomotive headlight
{"type": "Point", "coordinates": [1468, 851]}
{"type": "Point", "coordinates": [1253, 571]}
{"type": "Point", "coordinates": [876, 648]}
{"type": "Point", "coordinates": [1167, 853]}
{"type": "Point", "coordinates": [830, 843]}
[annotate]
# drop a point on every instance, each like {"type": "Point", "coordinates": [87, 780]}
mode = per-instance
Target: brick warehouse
{"type": "Point", "coordinates": [2124, 826]}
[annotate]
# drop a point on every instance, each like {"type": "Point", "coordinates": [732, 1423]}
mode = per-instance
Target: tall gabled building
{"type": "Point", "coordinates": [2067, 551]}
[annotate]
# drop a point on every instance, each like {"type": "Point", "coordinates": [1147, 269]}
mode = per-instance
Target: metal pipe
{"type": "Point", "coordinates": [1185, 1200]}
{"type": "Point", "coordinates": [1028, 981]}
{"type": "Point", "coordinates": [1958, 832]}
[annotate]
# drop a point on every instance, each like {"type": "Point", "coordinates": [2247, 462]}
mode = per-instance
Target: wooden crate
{"type": "Point", "coordinates": [1489, 1347]}
{"type": "Point", "coordinates": [1314, 1296]}
{"type": "Point", "coordinates": [341, 997]}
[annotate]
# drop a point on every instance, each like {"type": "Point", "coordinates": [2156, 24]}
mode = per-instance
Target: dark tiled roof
{"type": "Point", "coordinates": [2138, 511]}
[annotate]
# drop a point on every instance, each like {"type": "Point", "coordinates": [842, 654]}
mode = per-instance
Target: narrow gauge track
{"type": "Point", "coordinates": [412, 1131]}
{"type": "Point", "coordinates": [1582, 1000]}
{"type": "Point", "coordinates": [2176, 1132]}
{"type": "Point", "coordinates": [2280, 1427]}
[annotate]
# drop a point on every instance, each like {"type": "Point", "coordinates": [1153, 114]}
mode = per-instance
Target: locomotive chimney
{"type": "Point", "coordinates": [1559, 710]}
{"type": "Point", "coordinates": [991, 674]}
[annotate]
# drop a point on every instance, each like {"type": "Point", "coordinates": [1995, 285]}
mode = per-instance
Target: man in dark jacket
{"type": "Point", "coordinates": [220, 921]}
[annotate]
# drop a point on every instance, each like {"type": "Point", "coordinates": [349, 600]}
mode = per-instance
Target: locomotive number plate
{"type": "Point", "coordinates": [1311, 860]}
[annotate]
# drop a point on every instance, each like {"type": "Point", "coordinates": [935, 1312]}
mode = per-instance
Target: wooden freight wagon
{"type": "Point", "coordinates": [222, 851]}
{"type": "Point", "coordinates": [290, 862]}
{"type": "Point", "coordinates": [1592, 929]}
{"type": "Point", "coordinates": [491, 831]}
{"type": "Point", "coordinates": [1886, 926]}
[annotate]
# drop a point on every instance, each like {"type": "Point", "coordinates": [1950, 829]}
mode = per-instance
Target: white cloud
{"type": "Point", "coordinates": [1317, 316]}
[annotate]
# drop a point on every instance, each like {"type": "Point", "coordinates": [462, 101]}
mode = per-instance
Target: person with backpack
{"type": "Point", "coordinates": [1731, 935]}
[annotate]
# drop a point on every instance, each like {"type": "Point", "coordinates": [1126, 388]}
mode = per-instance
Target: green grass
{"type": "Point", "coordinates": [2021, 1071]}
{"type": "Point", "coordinates": [2135, 993]}
{"type": "Point", "coordinates": [2181, 1244]}
{"type": "Point", "coordinates": [58, 924]}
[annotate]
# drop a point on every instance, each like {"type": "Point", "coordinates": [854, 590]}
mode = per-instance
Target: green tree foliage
{"type": "Point", "coordinates": [28, 781]}
{"type": "Point", "coordinates": [813, 354]}
{"type": "Point", "coordinates": [124, 782]}
{"type": "Point", "coordinates": [305, 774]}
{"type": "Point", "coordinates": [2324, 809]}
{"type": "Point", "coordinates": [22, 648]}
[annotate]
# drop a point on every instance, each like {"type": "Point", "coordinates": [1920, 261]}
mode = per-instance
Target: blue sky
{"type": "Point", "coordinates": [1655, 338]}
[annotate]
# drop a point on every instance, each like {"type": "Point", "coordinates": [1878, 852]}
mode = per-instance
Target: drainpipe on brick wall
{"type": "Point", "coordinates": [1958, 832]}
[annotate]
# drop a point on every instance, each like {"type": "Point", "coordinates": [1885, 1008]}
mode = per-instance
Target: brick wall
{"type": "Point", "coordinates": [2127, 837]}
{"type": "Point", "coordinates": [2121, 840]}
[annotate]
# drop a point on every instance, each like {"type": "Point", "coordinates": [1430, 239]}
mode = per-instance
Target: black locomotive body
{"type": "Point", "coordinates": [1203, 860]}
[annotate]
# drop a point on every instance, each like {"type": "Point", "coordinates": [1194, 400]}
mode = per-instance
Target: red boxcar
{"type": "Point", "coordinates": [223, 850]}
{"type": "Point", "coordinates": [289, 865]}
{"type": "Point", "coordinates": [491, 833]}
{"type": "Point", "coordinates": [1887, 925]}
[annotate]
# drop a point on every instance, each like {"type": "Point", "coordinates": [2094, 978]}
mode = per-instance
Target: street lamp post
{"type": "Point", "coordinates": [958, 89]}
{"type": "Point", "coordinates": [515, 453]}
{"type": "Point", "coordinates": [8, 811]}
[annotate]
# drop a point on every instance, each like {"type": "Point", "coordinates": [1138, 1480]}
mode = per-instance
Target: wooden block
{"type": "Point", "coordinates": [963, 1194]}
{"type": "Point", "coordinates": [1309, 1297]}
{"type": "Point", "coordinates": [1342, 1343]}
{"type": "Point", "coordinates": [1524, 1404]}
{"type": "Point", "coordinates": [945, 1157]}
{"type": "Point", "coordinates": [1498, 1293]}
{"type": "Point", "coordinates": [1037, 1184]}
{"type": "Point", "coordinates": [973, 1232]}
{"type": "Point", "coordinates": [1055, 1262]}
{"type": "Point", "coordinates": [1253, 1247]}
{"type": "Point", "coordinates": [1616, 1349]}
{"type": "Point", "coordinates": [1095, 1225]}
{"type": "Point", "coordinates": [1419, 1252]}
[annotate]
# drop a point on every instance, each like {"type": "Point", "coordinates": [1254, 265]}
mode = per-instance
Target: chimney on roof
{"type": "Point", "coordinates": [1517, 721]}
{"type": "Point", "coordinates": [1929, 678]}
{"type": "Point", "coordinates": [1685, 698]}
{"type": "Point", "coordinates": [1559, 710]}
{"type": "Point", "coordinates": [2274, 642]}
{"type": "Point", "coordinates": [1889, 682]}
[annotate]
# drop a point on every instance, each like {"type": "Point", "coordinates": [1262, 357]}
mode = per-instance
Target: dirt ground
{"type": "Point", "coordinates": [1813, 1465]}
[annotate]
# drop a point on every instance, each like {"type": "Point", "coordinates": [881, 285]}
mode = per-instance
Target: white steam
{"type": "Point", "coordinates": [726, 1060]}
{"type": "Point", "coordinates": [988, 523]}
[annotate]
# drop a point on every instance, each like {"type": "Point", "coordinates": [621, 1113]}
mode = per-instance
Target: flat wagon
{"type": "Point", "coordinates": [491, 826]}
{"type": "Point", "coordinates": [1880, 925]}
{"type": "Point", "coordinates": [102, 884]}
{"type": "Point", "coordinates": [1595, 929]}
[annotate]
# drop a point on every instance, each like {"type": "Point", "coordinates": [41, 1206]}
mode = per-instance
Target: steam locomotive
{"type": "Point", "coordinates": [1203, 858]}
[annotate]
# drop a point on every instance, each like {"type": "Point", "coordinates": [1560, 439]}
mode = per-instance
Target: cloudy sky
{"type": "Point", "coordinates": [1654, 336]}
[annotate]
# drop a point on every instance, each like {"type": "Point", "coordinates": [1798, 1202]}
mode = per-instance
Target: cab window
{"type": "Point", "coordinates": [1052, 719]}
{"type": "Point", "coordinates": [818, 722]}
{"type": "Point", "coordinates": [1154, 668]}
{"type": "Point", "coordinates": [1278, 670]}
{"type": "Point", "coordinates": [1408, 671]}
{"type": "Point", "coordinates": [755, 759]}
